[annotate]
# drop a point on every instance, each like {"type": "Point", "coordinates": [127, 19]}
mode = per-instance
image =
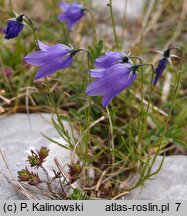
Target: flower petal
{"type": "Point", "coordinates": [117, 89]}
{"type": "Point", "coordinates": [76, 5]}
{"type": "Point", "coordinates": [97, 73]}
{"type": "Point", "coordinates": [39, 58]}
{"type": "Point", "coordinates": [64, 6]}
{"type": "Point", "coordinates": [108, 59]}
{"type": "Point", "coordinates": [53, 66]}
{"type": "Point", "coordinates": [61, 48]}
{"type": "Point", "coordinates": [42, 46]}
{"type": "Point", "coordinates": [62, 17]}
{"type": "Point", "coordinates": [71, 23]}
{"type": "Point", "coordinates": [74, 18]}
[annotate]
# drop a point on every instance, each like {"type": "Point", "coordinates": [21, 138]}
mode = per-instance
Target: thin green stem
{"type": "Point", "coordinates": [143, 125]}
{"type": "Point", "coordinates": [94, 26]}
{"type": "Point", "coordinates": [124, 23]}
{"type": "Point", "coordinates": [88, 111]}
{"type": "Point", "coordinates": [11, 5]}
{"type": "Point", "coordinates": [141, 90]}
{"type": "Point", "coordinates": [111, 135]}
{"type": "Point", "coordinates": [141, 109]}
{"type": "Point", "coordinates": [144, 121]}
{"type": "Point", "coordinates": [113, 24]}
{"type": "Point", "coordinates": [142, 96]}
{"type": "Point", "coordinates": [33, 30]}
{"type": "Point", "coordinates": [88, 61]}
{"type": "Point", "coordinates": [51, 99]}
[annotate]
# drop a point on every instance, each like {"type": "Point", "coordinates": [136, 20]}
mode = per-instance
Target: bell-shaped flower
{"type": "Point", "coordinates": [71, 13]}
{"type": "Point", "coordinates": [14, 27]}
{"type": "Point", "coordinates": [50, 58]}
{"type": "Point", "coordinates": [114, 80]}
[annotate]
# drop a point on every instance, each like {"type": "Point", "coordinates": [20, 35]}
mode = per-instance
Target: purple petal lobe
{"type": "Point", "coordinates": [42, 46]}
{"type": "Point", "coordinates": [64, 5]}
{"type": "Point", "coordinates": [60, 48]}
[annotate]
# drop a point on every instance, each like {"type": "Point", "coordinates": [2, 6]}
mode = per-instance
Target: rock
{"type": "Point", "coordinates": [169, 183]}
{"type": "Point", "coordinates": [19, 134]}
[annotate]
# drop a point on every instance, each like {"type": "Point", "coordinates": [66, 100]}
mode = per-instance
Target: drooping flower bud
{"type": "Point", "coordinates": [14, 27]}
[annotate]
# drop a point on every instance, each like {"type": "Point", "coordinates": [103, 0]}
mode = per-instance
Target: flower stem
{"type": "Point", "coordinates": [113, 24]}
{"type": "Point", "coordinates": [33, 30]}
{"type": "Point", "coordinates": [88, 110]}
{"type": "Point", "coordinates": [144, 120]}
{"type": "Point", "coordinates": [11, 5]}
{"type": "Point", "coordinates": [88, 61]}
{"type": "Point", "coordinates": [111, 135]}
{"type": "Point", "coordinates": [94, 26]}
{"type": "Point", "coordinates": [140, 123]}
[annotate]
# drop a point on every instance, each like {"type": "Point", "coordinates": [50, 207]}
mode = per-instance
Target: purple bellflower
{"type": "Point", "coordinates": [71, 13]}
{"type": "Point", "coordinates": [50, 58]}
{"type": "Point", "coordinates": [113, 80]}
{"type": "Point", "coordinates": [107, 60]}
{"type": "Point", "coordinates": [14, 27]}
{"type": "Point", "coordinates": [163, 62]}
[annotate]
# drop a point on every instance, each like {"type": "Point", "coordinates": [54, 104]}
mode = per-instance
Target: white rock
{"type": "Point", "coordinates": [19, 134]}
{"type": "Point", "coordinates": [169, 183]}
